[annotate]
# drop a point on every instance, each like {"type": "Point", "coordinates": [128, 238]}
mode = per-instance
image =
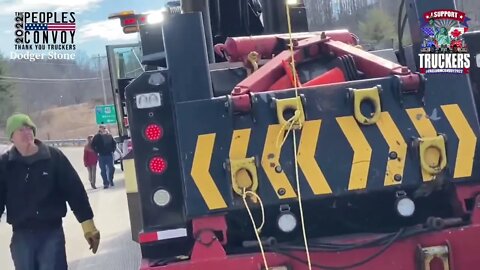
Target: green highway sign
{"type": "Point", "coordinates": [105, 114]}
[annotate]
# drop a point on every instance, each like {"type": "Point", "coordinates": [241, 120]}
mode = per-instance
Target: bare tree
{"type": "Point", "coordinates": [36, 95]}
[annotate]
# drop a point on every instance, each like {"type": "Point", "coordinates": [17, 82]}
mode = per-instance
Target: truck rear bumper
{"type": "Point", "coordinates": [456, 248]}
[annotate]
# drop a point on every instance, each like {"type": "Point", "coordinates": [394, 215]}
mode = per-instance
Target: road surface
{"type": "Point", "coordinates": [116, 252]}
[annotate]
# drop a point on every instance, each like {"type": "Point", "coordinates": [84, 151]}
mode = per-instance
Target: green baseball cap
{"type": "Point", "coordinates": [17, 121]}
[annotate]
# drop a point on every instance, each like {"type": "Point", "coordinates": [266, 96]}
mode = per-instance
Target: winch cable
{"type": "Point", "coordinates": [386, 241]}
{"type": "Point", "coordinates": [335, 247]}
{"type": "Point", "coordinates": [256, 230]}
{"type": "Point", "coordinates": [291, 122]}
{"type": "Point", "coordinates": [385, 247]}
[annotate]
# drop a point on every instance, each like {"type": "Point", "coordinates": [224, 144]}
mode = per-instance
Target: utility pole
{"type": "Point", "coordinates": [101, 78]}
{"type": "Point", "coordinates": [103, 83]}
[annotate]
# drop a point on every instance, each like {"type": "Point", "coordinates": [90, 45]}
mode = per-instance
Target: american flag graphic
{"type": "Point", "coordinates": [428, 31]}
{"type": "Point", "coordinates": [50, 27]}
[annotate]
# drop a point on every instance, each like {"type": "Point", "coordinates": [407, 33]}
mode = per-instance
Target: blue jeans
{"type": "Point", "coordinates": [106, 169]}
{"type": "Point", "coordinates": [39, 250]}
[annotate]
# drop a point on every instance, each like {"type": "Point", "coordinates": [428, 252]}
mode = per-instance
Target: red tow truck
{"type": "Point", "coordinates": [298, 150]}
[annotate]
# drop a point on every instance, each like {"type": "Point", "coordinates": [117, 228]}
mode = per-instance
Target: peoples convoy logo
{"type": "Point", "coordinates": [51, 34]}
{"type": "Point", "coordinates": [443, 49]}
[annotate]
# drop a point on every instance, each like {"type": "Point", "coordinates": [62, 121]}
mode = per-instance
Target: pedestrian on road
{"type": "Point", "coordinates": [36, 182]}
{"type": "Point", "coordinates": [90, 160]}
{"type": "Point", "coordinates": [104, 145]}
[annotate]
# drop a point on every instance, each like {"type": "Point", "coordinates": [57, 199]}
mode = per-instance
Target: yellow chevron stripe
{"type": "Point", "coordinates": [425, 128]}
{"type": "Point", "coordinates": [239, 145]}
{"type": "Point", "coordinates": [422, 124]}
{"type": "Point", "coordinates": [362, 152]}
{"type": "Point", "coordinates": [306, 158]}
{"type": "Point", "coordinates": [201, 175]}
{"type": "Point", "coordinates": [396, 144]}
{"type": "Point", "coordinates": [270, 159]}
{"type": "Point", "coordinates": [466, 140]}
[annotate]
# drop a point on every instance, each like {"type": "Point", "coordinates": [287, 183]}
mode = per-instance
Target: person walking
{"type": "Point", "coordinates": [104, 145]}
{"type": "Point", "coordinates": [36, 182]}
{"type": "Point", "coordinates": [90, 160]}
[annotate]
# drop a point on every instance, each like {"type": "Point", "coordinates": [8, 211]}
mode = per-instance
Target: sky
{"type": "Point", "coordinates": [93, 31]}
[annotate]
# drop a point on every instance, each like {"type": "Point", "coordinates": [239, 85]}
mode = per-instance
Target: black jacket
{"type": "Point", "coordinates": [35, 189]}
{"type": "Point", "coordinates": [104, 144]}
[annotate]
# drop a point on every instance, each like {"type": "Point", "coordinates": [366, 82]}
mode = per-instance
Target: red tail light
{"type": "Point", "coordinates": [153, 132]}
{"type": "Point", "coordinates": [158, 165]}
{"type": "Point", "coordinates": [129, 21]}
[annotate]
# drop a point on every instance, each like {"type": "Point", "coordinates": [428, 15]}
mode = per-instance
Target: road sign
{"type": "Point", "coordinates": [105, 114]}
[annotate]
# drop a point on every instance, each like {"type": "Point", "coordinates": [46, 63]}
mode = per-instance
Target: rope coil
{"type": "Point", "coordinates": [259, 229]}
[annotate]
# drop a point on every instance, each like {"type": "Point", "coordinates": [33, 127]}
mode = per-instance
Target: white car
{"type": "Point", "coordinates": [123, 148]}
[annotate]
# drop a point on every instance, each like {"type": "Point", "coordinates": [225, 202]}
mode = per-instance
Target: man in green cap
{"type": "Point", "coordinates": [36, 181]}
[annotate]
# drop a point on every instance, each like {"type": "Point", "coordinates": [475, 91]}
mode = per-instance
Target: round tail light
{"type": "Point", "coordinates": [162, 197]}
{"type": "Point", "coordinates": [153, 132]}
{"type": "Point", "coordinates": [158, 165]}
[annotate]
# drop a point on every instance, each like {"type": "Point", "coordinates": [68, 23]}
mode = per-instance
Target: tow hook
{"type": "Point", "coordinates": [428, 255]}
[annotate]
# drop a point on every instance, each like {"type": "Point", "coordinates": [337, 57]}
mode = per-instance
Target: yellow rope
{"type": "Point", "coordinates": [291, 50]}
{"type": "Point", "coordinates": [257, 230]}
{"type": "Point", "coordinates": [290, 124]}
{"type": "Point", "coordinates": [297, 113]}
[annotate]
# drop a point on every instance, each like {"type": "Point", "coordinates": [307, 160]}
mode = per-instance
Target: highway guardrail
{"type": "Point", "coordinates": [56, 143]}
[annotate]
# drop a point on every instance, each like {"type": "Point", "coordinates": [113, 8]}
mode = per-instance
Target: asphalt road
{"type": "Point", "coordinates": [116, 252]}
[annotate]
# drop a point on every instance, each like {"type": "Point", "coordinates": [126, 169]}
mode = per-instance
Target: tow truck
{"type": "Point", "coordinates": [300, 150]}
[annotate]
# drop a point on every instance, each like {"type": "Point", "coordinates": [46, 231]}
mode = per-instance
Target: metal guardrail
{"type": "Point", "coordinates": [61, 143]}
{"type": "Point", "coordinates": [56, 143]}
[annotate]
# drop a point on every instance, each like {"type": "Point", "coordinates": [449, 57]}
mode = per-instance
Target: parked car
{"type": "Point", "coordinates": [123, 148]}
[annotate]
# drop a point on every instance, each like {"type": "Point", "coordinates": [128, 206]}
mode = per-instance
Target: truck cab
{"type": "Point", "coordinates": [124, 64]}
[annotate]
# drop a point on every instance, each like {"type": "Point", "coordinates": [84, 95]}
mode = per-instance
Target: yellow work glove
{"type": "Point", "coordinates": [91, 234]}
